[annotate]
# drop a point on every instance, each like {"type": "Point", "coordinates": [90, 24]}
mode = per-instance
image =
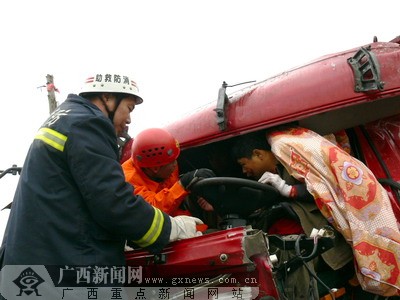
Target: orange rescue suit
{"type": "Point", "coordinates": [166, 195]}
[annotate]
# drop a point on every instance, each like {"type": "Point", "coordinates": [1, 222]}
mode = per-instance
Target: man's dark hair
{"type": "Point", "coordinates": [245, 144]}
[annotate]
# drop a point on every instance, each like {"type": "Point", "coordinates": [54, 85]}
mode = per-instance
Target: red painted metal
{"type": "Point", "coordinates": [201, 251]}
{"type": "Point", "coordinates": [224, 252]}
{"type": "Point", "coordinates": [384, 135]}
{"type": "Point", "coordinates": [319, 86]}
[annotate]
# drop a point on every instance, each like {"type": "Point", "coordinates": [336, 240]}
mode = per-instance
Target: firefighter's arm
{"type": "Point", "coordinates": [168, 199]}
{"type": "Point", "coordinates": [93, 159]}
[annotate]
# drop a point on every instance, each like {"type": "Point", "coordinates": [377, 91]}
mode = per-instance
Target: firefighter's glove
{"type": "Point", "coordinates": [191, 177]}
{"type": "Point", "coordinates": [184, 227]}
{"type": "Point", "coordinates": [277, 182]}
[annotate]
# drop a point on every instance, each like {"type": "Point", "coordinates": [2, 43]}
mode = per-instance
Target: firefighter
{"type": "Point", "coordinates": [153, 171]}
{"type": "Point", "coordinates": [72, 205]}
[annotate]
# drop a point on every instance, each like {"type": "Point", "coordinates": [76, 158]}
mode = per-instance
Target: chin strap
{"type": "Point", "coordinates": [118, 98]}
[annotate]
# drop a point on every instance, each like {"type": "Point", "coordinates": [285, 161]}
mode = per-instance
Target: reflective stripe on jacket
{"type": "Point", "coordinates": [72, 204]}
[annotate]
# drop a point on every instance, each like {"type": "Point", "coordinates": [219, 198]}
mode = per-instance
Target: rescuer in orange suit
{"type": "Point", "coordinates": [153, 171]}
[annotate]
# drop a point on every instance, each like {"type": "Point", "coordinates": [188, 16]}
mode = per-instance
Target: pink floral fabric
{"type": "Point", "coordinates": [352, 200]}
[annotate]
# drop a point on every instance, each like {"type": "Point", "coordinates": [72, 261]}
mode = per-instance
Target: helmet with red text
{"type": "Point", "coordinates": [111, 83]}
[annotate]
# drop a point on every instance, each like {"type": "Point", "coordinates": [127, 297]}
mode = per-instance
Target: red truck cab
{"type": "Point", "coordinates": [356, 91]}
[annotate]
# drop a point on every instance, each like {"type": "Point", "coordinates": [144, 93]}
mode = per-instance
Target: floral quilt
{"type": "Point", "coordinates": [352, 200]}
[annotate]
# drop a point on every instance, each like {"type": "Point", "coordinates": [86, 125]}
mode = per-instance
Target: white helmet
{"type": "Point", "coordinates": [111, 83]}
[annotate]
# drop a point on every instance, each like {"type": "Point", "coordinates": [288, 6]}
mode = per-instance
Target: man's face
{"type": "Point", "coordinates": [161, 172]}
{"type": "Point", "coordinates": [251, 167]}
{"type": "Point", "coordinates": [122, 115]}
{"type": "Point", "coordinates": [166, 170]}
{"type": "Point", "coordinates": [260, 162]}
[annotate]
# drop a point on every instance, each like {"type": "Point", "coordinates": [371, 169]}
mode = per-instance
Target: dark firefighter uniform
{"type": "Point", "coordinates": [72, 205]}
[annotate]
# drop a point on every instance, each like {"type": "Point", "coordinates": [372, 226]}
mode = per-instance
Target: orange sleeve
{"type": "Point", "coordinates": [166, 196]}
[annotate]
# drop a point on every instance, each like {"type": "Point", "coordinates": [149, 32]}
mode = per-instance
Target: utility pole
{"type": "Point", "coordinates": [51, 92]}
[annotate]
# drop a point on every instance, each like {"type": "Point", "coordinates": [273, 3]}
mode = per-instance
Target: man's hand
{"type": "Point", "coordinates": [184, 227]}
{"type": "Point", "coordinates": [277, 182]}
{"type": "Point", "coordinates": [191, 177]}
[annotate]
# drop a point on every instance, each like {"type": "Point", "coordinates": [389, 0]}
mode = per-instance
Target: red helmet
{"type": "Point", "coordinates": [154, 147]}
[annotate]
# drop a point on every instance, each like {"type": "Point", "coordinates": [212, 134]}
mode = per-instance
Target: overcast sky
{"type": "Point", "coordinates": [178, 51]}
